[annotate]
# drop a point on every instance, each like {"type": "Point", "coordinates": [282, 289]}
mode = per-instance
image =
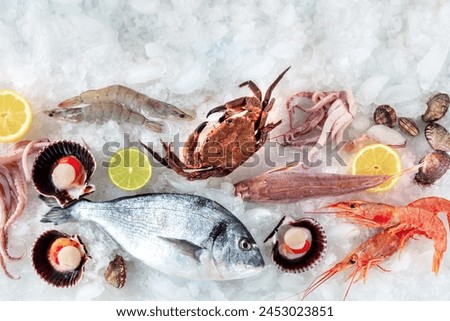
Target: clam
{"type": "Point", "coordinates": [385, 115]}
{"type": "Point", "coordinates": [298, 245]}
{"type": "Point", "coordinates": [62, 170]}
{"type": "Point", "coordinates": [434, 166]}
{"type": "Point", "coordinates": [438, 137]}
{"type": "Point", "coordinates": [436, 108]}
{"type": "Point", "coordinates": [408, 126]}
{"type": "Point", "coordinates": [59, 258]}
{"type": "Point", "coordinates": [116, 272]}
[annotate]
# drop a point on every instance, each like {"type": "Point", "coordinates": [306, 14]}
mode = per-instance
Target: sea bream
{"type": "Point", "coordinates": [179, 234]}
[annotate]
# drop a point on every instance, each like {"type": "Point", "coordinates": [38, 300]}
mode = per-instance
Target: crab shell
{"type": "Point", "coordinates": [59, 258]}
{"type": "Point", "coordinates": [304, 261]}
{"type": "Point", "coordinates": [46, 162]}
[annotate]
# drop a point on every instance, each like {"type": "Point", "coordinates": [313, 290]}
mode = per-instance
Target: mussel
{"type": "Point", "coordinates": [385, 115]}
{"type": "Point", "coordinates": [298, 244]}
{"type": "Point", "coordinates": [437, 106]}
{"type": "Point", "coordinates": [59, 258]}
{"type": "Point", "coordinates": [116, 272]}
{"type": "Point", "coordinates": [438, 137]}
{"type": "Point", "coordinates": [434, 166]}
{"type": "Point", "coordinates": [62, 170]}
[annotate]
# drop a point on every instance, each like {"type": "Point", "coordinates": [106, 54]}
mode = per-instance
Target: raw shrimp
{"type": "Point", "coordinates": [284, 186]}
{"type": "Point", "coordinates": [419, 217]}
{"type": "Point", "coordinates": [369, 254]}
{"type": "Point", "coordinates": [119, 103]}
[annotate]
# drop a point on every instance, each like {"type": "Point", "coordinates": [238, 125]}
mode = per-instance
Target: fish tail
{"type": "Point", "coordinates": [58, 215]}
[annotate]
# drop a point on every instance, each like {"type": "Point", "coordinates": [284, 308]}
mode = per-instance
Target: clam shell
{"type": "Point", "coordinates": [385, 115]}
{"type": "Point", "coordinates": [438, 137]}
{"type": "Point", "coordinates": [434, 166]}
{"type": "Point", "coordinates": [47, 160]}
{"type": "Point", "coordinates": [437, 106]}
{"type": "Point", "coordinates": [408, 126]}
{"type": "Point", "coordinates": [44, 268]}
{"type": "Point", "coordinates": [307, 260]}
{"type": "Point", "coordinates": [116, 272]}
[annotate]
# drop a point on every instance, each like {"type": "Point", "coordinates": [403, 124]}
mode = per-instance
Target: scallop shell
{"type": "Point", "coordinates": [116, 272]}
{"type": "Point", "coordinates": [385, 115]}
{"type": "Point", "coordinates": [306, 261]}
{"type": "Point", "coordinates": [47, 160]}
{"type": "Point", "coordinates": [408, 126]}
{"type": "Point", "coordinates": [434, 166]}
{"type": "Point", "coordinates": [58, 277]}
{"type": "Point", "coordinates": [437, 106]}
{"type": "Point", "coordinates": [438, 137]}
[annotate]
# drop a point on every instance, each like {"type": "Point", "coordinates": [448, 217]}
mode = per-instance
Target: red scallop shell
{"type": "Point", "coordinates": [307, 260]}
{"type": "Point", "coordinates": [46, 161]}
{"type": "Point", "coordinates": [43, 267]}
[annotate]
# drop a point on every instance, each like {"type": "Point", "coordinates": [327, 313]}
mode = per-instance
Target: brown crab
{"type": "Point", "coordinates": [241, 132]}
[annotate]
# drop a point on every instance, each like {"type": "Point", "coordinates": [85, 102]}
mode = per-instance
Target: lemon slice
{"type": "Point", "coordinates": [378, 159]}
{"type": "Point", "coordinates": [129, 169]}
{"type": "Point", "coordinates": [15, 116]}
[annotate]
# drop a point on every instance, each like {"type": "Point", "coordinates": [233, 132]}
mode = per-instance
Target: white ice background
{"type": "Point", "coordinates": [194, 54]}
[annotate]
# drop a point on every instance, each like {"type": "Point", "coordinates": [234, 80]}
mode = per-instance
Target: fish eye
{"type": "Point", "coordinates": [245, 245]}
{"type": "Point", "coordinates": [352, 205]}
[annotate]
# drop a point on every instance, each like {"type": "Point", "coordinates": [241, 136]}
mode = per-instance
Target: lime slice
{"type": "Point", "coordinates": [129, 169]}
{"type": "Point", "coordinates": [15, 116]}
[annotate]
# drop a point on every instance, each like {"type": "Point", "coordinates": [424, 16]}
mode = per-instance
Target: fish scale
{"type": "Point", "coordinates": [178, 234]}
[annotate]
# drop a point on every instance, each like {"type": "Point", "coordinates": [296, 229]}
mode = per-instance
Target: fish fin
{"type": "Point", "coordinates": [58, 215]}
{"type": "Point", "coordinates": [49, 201]}
{"type": "Point", "coordinates": [188, 248]}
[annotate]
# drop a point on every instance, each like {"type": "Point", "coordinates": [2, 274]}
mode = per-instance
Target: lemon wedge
{"type": "Point", "coordinates": [377, 159]}
{"type": "Point", "coordinates": [15, 116]}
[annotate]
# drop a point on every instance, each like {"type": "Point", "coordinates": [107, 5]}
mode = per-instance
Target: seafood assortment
{"type": "Point", "coordinates": [118, 103]}
{"type": "Point", "coordinates": [241, 132]}
{"type": "Point", "coordinates": [14, 177]}
{"type": "Point", "coordinates": [193, 237]}
{"type": "Point", "coordinates": [385, 115]}
{"type": "Point", "coordinates": [433, 166]}
{"type": "Point", "coordinates": [178, 234]}
{"type": "Point", "coordinates": [437, 107]}
{"type": "Point", "coordinates": [299, 245]}
{"type": "Point", "coordinates": [62, 170]}
{"type": "Point", "coordinates": [286, 186]}
{"type": "Point", "coordinates": [59, 258]}
{"type": "Point", "coordinates": [331, 113]}
{"type": "Point", "coordinates": [116, 272]}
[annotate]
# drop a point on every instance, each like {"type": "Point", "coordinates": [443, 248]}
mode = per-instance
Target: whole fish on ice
{"type": "Point", "coordinates": [178, 234]}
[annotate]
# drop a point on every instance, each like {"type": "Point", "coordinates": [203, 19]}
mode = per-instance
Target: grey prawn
{"type": "Point", "coordinates": [118, 103]}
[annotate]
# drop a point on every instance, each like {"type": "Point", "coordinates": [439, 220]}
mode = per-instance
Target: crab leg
{"type": "Point", "coordinates": [271, 87]}
{"type": "Point", "coordinates": [256, 91]}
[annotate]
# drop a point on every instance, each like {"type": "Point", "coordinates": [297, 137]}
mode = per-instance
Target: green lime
{"type": "Point", "coordinates": [129, 169]}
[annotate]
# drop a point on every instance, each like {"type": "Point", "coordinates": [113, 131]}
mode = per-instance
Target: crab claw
{"type": "Point", "coordinates": [216, 110]}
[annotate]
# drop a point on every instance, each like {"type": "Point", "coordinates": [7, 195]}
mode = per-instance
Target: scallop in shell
{"type": "Point", "coordinates": [59, 258]}
{"type": "Point", "coordinates": [385, 115]}
{"type": "Point", "coordinates": [437, 106]}
{"type": "Point", "coordinates": [438, 137]}
{"type": "Point", "coordinates": [298, 245]}
{"type": "Point", "coordinates": [116, 272]}
{"type": "Point", "coordinates": [62, 170]}
{"type": "Point", "coordinates": [434, 166]}
{"type": "Point", "coordinates": [408, 126]}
